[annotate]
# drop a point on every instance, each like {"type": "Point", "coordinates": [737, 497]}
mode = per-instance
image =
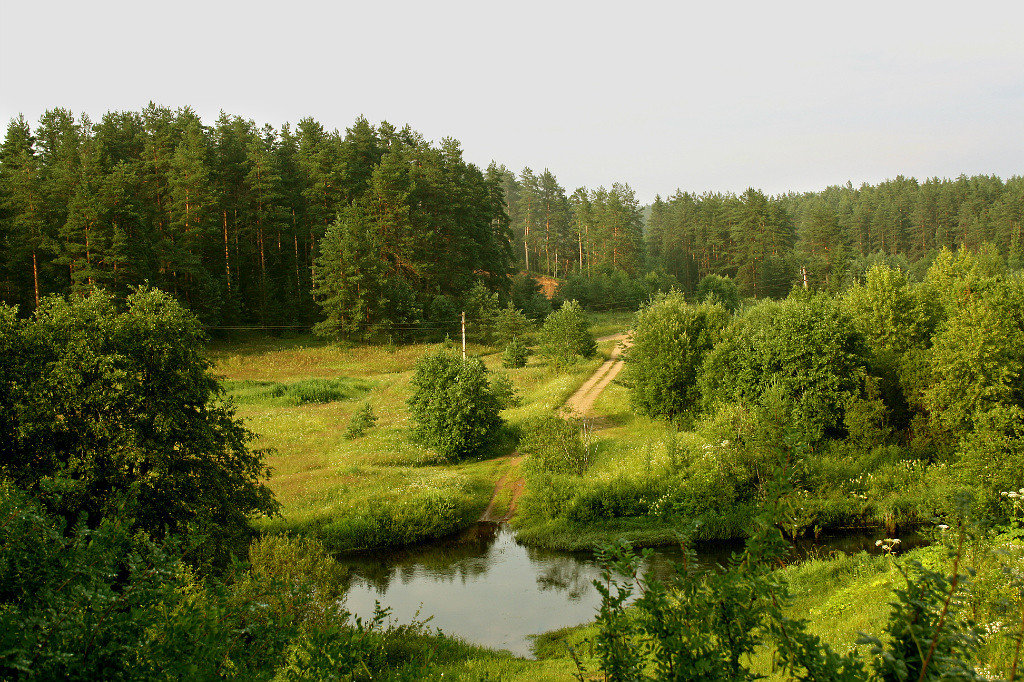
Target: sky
{"type": "Point", "coordinates": [781, 96]}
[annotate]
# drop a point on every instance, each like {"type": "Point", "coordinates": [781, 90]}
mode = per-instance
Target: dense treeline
{"type": "Point", "coordinates": [769, 243]}
{"type": "Point", "coordinates": [389, 233]}
{"type": "Point", "coordinates": [230, 218]}
{"type": "Point", "coordinates": [587, 232]}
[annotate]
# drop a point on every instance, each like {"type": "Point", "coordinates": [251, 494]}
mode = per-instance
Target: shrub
{"type": "Point", "coordinates": [510, 324]}
{"type": "Point", "coordinates": [670, 339]}
{"type": "Point", "coordinates": [453, 404]}
{"type": "Point", "coordinates": [721, 290]}
{"type": "Point", "coordinates": [363, 419]}
{"type": "Point", "coordinates": [505, 391]}
{"type": "Point", "coordinates": [977, 357]}
{"type": "Point", "coordinates": [515, 354]}
{"type": "Point", "coordinates": [114, 410]}
{"type": "Point", "coordinates": [802, 349]}
{"type": "Point", "coordinates": [992, 455]}
{"type": "Point", "coordinates": [566, 335]}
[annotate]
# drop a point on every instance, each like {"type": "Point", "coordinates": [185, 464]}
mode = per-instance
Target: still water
{"type": "Point", "coordinates": [486, 588]}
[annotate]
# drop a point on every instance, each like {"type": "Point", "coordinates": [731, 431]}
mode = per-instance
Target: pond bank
{"type": "Point", "coordinates": [488, 589]}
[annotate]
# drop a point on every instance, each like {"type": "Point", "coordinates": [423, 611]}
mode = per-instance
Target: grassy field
{"type": "Point", "coordinates": [298, 395]}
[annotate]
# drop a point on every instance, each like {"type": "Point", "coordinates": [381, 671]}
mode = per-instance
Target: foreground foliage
{"type": "Point", "coordinates": [707, 625]}
{"type": "Point", "coordinates": [104, 603]}
{"type": "Point", "coordinates": [110, 409]}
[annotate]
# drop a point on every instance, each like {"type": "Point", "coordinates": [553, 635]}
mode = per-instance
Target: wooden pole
{"type": "Point", "coordinates": [463, 334]}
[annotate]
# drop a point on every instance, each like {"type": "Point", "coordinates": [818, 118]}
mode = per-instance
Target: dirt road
{"type": "Point", "coordinates": [580, 403]}
{"type": "Point", "coordinates": [577, 405]}
{"type": "Point", "coordinates": [516, 490]}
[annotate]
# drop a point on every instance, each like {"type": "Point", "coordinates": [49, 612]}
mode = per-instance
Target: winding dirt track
{"type": "Point", "coordinates": [580, 403]}
{"type": "Point", "coordinates": [490, 514]}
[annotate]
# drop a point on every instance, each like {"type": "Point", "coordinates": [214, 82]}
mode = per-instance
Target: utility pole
{"type": "Point", "coordinates": [463, 334]}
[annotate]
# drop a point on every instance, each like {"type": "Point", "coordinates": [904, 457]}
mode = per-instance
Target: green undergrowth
{"type": "Point", "coordinates": [303, 392]}
{"type": "Point", "coordinates": [842, 597]}
{"type": "Point", "coordinates": [645, 481]}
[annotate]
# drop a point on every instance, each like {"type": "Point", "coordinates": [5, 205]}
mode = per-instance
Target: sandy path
{"type": "Point", "coordinates": [578, 404]}
{"type": "Point", "coordinates": [517, 490]}
{"type": "Point", "coordinates": [581, 401]}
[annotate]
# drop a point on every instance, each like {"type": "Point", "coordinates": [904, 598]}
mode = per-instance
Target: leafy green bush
{"type": "Point", "coordinates": [114, 410]}
{"type": "Point", "coordinates": [802, 349]}
{"type": "Point", "coordinates": [566, 336]}
{"type": "Point", "coordinates": [718, 290]}
{"type": "Point", "coordinates": [557, 445]}
{"type": "Point", "coordinates": [991, 457]}
{"type": "Point", "coordinates": [363, 419]}
{"type": "Point", "coordinates": [977, 356]}
{"type": "Point", "coordinates": [670, 340]}
{"type": "Point", "coordinates": [453, 404]}
{"type": "Point", "coordinates": [505, 391]}
{"type": "Point", "coordinates": [515, 354]}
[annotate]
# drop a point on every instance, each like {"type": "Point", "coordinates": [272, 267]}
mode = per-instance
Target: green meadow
{"type": "Point", "coordinates": [298, 394]}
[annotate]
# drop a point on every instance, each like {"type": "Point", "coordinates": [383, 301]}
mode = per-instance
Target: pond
{"type": "Point", "coordinates": [486, 588]}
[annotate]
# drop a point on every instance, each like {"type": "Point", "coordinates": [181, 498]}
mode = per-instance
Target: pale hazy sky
{"type": "Point", "coordinates": [701, 96]}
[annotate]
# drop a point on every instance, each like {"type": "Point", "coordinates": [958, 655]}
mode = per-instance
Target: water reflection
{"type": "Point", "coordinates": [486, 588]}
{"type": "Point", "coordinates": [482, 586]}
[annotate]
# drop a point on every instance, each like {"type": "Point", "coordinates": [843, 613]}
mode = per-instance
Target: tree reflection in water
{"type": "Point", "coordinates": [486, 588]}
{"type": "Point", "coordinates": [481, 585]}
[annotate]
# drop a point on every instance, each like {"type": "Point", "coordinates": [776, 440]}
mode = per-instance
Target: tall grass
{"type": "Point", "coordinates": [303, 392]}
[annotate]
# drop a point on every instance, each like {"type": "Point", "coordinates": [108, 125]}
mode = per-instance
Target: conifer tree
{"type": "Point", "coordinates": [263, 182]}
{"type": "Point", "coordinates": [24, 208]}
{"type": "Point", "coordinates": [83, 237]}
